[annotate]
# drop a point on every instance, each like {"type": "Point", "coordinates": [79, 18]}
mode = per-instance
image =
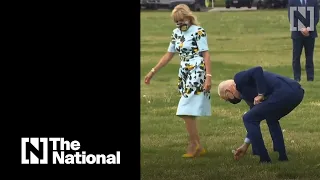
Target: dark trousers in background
{"type": "Point", "coordinates": [298, 44]}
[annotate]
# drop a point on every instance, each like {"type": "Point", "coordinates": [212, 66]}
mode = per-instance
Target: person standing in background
{"type": "Point", "coordinates": [303, 37]}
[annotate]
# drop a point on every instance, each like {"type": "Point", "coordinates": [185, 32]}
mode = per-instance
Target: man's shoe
{"type": "Point", "coordinates": [283, 158]}
{"type": "Point", "coordinates": [265, 159]}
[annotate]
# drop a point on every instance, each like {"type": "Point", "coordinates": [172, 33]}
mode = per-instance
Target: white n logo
{"type": "Point", "coordinates": [32, 152]}
{"type": "Point", "coordinates": [303, 14]}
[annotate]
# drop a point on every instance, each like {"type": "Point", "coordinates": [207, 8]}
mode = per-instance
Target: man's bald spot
{"type": "Point", "coordinates": [223, 86]}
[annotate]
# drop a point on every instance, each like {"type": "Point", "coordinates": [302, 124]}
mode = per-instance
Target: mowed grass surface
{"type": "Point", "coordinates": [237, 41]}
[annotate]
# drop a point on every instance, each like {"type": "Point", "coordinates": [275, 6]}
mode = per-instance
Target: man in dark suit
{"type": "Point", "coordinates": [270, 97]}
{"type": "Point", "coordinates": [303, 37]}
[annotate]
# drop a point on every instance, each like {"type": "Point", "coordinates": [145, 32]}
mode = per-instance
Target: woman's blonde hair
{"type": "Point", "coordinates": [183, 11]}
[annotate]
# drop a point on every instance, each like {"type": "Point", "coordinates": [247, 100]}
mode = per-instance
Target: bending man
{"type": "Point", "coordinates": [270, 97]}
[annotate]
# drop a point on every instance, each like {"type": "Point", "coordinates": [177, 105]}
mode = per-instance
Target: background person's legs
{"type": "Point", "coordinates": [296, 54]}
{"type": "Point", "coordinates": [308, 44]}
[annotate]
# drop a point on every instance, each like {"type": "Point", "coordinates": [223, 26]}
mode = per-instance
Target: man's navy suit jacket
{"type": "Point", "coordinates": [305, 21]}
{"type": "Point", "coordinates": [255, 81]}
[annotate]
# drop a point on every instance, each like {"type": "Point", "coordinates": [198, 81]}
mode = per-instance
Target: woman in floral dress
{"type": "Point", "coordinates": [194, 83]}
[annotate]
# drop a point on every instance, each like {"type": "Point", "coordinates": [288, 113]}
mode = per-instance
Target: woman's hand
{"type": "Point", "coordinates": [148, 77]}
{"type": "Point", "coordinates": [207, 84]}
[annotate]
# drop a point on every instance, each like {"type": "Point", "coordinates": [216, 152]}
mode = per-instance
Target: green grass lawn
{"type": "Point", "coordinates": [237, 40]}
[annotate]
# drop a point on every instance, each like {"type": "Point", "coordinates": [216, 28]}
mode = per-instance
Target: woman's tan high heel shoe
{"type": "Point", "coordinates": [191, 155]}
{"type": "Point", "coordinates": [202, 152]}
